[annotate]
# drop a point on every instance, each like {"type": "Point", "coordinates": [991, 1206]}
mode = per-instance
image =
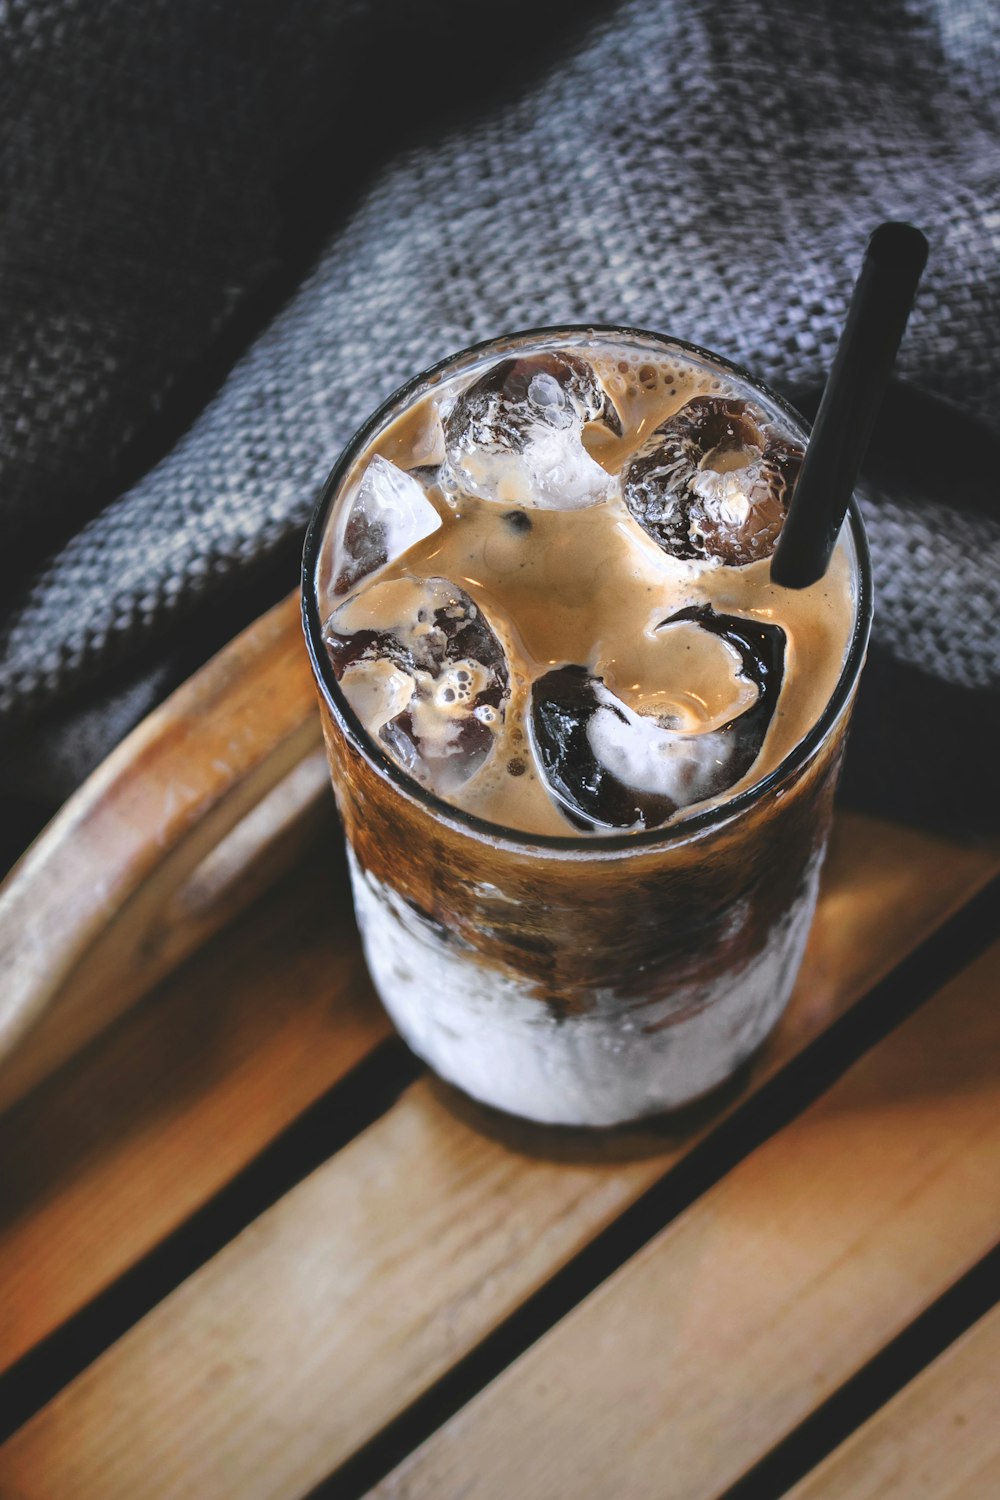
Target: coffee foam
{"type": "Point", "coordinates": [589, 586]}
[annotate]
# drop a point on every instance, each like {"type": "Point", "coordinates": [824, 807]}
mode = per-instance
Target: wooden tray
{"type": "Point", "coordinates": [197, 812]}
{"type": "Point", "coordinates": [248, 1247]}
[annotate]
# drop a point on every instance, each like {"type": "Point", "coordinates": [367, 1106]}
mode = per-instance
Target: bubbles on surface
{"type": "Point", "coordinates": [423, 669]}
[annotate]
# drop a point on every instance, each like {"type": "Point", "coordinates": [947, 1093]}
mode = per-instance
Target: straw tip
{"type": "Point", "coordinates": [795, 570]}
{"type": "Point", "coordinates": [900, 245]}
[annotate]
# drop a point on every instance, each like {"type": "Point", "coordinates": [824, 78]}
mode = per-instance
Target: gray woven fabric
{"type": "Point", "coordinates": [709, 171]}
{"type": "Point", "coordinates": [937, 581]}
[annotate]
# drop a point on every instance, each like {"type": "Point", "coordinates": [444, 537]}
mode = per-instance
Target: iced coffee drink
{"type": "Point", "coordinates": [583, 748]}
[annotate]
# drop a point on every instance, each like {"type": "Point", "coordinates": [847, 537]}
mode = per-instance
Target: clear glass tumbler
{"type": "Point", "coordinates": [582, 980]}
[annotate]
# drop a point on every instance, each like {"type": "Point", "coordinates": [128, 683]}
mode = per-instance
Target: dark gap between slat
{"type": "Point", "coordinates": [342, 1113]}
{"type": "Point", "coordinates": [796, 1086]}
{"type": "Point", "coordinates": [876, 1383]}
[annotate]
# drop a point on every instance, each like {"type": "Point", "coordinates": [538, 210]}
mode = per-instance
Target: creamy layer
{"type": "Point", "coordinates": [478, 1026]}
{"type": "Point", "coordinates": [583, 585]}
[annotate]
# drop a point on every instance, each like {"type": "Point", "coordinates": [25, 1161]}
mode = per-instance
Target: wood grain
{"type": "Point", "coordinates": [938, 1439]}
{"type": "Point", "coordinates": [338, 1306]}
{"type": "Point", "coordinates": [189, 819]}
{"type": "Point", "coordinates": [727, 1330]}
{"type": "Point", "coordinates": [116, 1150]}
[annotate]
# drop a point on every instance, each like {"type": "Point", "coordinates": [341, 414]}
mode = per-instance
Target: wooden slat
{"type": "Point", "coordinates": [939, 1439]}
{"type": "Point", "coordinates": [344, 1301]}
{"type": "Point", "coordinates": [730, 1327]}
{"type": "Point", "coordinates": [123, 1144]}
{"type": "Point", "coordinates": [94, 1171]}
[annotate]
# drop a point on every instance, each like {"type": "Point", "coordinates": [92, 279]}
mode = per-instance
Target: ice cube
{"type": "Point", "coordinates": [388, 514]}
{"type": "Point", "coordinates": [516, 434]}
{"type": "Point", "coordinates": [611, 767]}
{"type": "Point", "coordinates": [761, 651]}
{"type": "Point", "coordinates": [427, 443]}
{"type": "Point", "coordinates": [713, 481]}
{"type": "Point", "coordinates": [427, 676]}
{"type": "Point", "coordinates": [567, 705]}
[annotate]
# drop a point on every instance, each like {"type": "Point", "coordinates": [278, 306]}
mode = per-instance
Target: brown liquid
{"type": "Point", "coordinates": [588, 586]}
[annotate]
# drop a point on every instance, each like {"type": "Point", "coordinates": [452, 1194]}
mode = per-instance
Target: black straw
{"type": "Point", "coordinates": [876, 318]}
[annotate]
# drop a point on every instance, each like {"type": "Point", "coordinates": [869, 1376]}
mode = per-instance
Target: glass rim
{"type": "Point", "coordinates": [592, 845]}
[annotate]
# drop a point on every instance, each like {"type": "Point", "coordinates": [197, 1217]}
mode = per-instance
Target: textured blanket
{"type": "Point", "coordinates": [231, 227]}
